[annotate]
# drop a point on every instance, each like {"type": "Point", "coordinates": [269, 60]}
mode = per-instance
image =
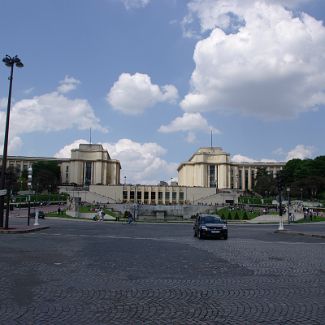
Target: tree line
{"type": "Point", "coordinates": [46, 176]}
{"type": "Point", "coordinates": [304, 177]}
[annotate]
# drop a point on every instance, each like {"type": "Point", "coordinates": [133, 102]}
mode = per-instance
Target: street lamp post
{"type": "Point", "coordinates": [288, 195]}
{"type": "Point", "coordinates": [29, 184]}
{"type": "Point", "coordinates": [9, 62]}
{"type": "Point", "coordinates": [280, 187]}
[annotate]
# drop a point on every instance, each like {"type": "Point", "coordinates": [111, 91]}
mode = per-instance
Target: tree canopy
{"type": "Point", "coordinates": [304, 177]}
{"type": "Point", "coordinates": [46, 175]}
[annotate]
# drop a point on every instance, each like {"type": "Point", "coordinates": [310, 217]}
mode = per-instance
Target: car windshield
{"type": "Point", "coordinates": [211, 219]}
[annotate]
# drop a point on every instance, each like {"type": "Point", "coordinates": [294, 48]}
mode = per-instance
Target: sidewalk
{"type": "Point", "coordinates": [267, 218]}
{"type": "Point", "coordinates": [19, 225]}
{"type": "Point", "coordinates": [22, 229]}
{"type": "Point", "coordinates": [316, 230]}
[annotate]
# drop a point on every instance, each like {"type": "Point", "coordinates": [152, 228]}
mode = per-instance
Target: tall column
{"type": "Point", "coordinates": [249, 178]}
{"type": "Point", "coordinates": [243, 179]}
{"type": "Point", "coordinates": [236, 177]}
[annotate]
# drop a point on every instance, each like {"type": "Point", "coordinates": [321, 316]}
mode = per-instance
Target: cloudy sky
{"type": "Point", "coordinates": [153, 78]}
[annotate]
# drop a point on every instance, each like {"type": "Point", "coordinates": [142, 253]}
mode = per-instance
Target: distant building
{"type": "Point", "coordinates": [89, 164]}
{"type": "Point", "coordinates": [208, 177]}
{"type": "Point", "coordinates": [212, 167]}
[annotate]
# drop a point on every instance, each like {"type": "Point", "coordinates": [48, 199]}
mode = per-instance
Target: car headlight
{"type": "Point", "coordinates": [224, 226]}
{"type": "Point", "coordinates": [204, 228]}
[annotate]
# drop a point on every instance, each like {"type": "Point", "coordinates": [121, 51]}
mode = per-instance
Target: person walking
{"type": "Point", "coordinates": [130, 217]}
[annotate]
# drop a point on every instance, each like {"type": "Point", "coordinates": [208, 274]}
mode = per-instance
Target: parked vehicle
{"type": "Point", "coordinates": [41, 214]}
{"type": "Point", "coordinates": [212, 226]}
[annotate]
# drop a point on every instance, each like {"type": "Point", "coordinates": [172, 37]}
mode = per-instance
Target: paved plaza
{"type": "Point", "coordinates": [79, 272]}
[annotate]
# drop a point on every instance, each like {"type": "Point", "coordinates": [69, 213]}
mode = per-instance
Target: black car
{"type": "Point", "coordinates": [41, 214]}
{"type": "Point", "coordinates": [207, 225]}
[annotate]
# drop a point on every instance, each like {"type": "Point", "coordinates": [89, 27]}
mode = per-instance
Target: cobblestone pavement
{"type": "Point", "coordinates": [101, 273]}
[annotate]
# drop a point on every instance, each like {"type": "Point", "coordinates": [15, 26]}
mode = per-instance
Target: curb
{"type": "Point", "coordinates": [21, 230]}
{"type": "Point", "coordinates": [299, 233]}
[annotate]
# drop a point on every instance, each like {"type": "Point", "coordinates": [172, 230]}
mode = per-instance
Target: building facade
{"type": "Point", "coordinates": [89, 164]}
{"type": "Point", "coordinates": [211, 167]}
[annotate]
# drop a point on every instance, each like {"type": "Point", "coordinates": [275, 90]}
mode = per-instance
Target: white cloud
{"type": "Point", "coordinates": [129, 4]}
{"type": "Point", "coordinates": [3, 103]}
{"type": "Point", "coordinates": [52, 112]}
{"type": "Point", "coordinates": [68, 84]}
{"type": "Point", "coordinates": [133, 94]}
{"type": "Point", "coordinates": [240, 158]}
{"type": "Point", "coordinates": [301, 152]}
{"type": "Point", "coordinates": [263, 60]}
{"type": "Point", "coordinates": [141, 163]}
{"type": "Point", "coordinates": [224, 13]}
{"type": "Point", "coordinates": [188, 122]}
{"type": "Point", "coordinates": [65, 152]}
{"type": "Point", "coordinates": [49, 112]}
{"type": "Point", "coordinates": [14, 145]}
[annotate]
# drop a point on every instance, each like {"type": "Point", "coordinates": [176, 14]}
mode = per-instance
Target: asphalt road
{"type": "Point", "coordinates": [109, 273]}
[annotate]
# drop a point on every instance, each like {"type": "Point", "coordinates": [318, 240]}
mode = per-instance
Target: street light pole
{"type": "Point", "coordinates": [9, 62]}
{"type": "Point", "coordinates": [280, 187]}
{"type": "Point", "coordinates": [288, 192]}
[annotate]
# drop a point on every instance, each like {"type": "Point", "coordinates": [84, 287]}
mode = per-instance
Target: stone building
{"type": "Point", "coordinates": [212, 167]}
{"type": "Point", "coordinates": [89, 164]}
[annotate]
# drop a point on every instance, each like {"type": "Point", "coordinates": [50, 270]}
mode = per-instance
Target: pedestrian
{"type": "Point", "coordinates": [59, 210]}
{"type": "Point", "coordinates": [130, 217]}
{"type": "Point", "coordinates": [102, 214]}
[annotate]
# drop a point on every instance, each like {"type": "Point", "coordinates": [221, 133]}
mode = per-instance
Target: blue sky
{"type": "Point", "coordinates": [152, 78]}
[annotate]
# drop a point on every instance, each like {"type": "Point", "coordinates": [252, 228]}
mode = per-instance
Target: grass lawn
{"type": "Point", "coordinates": [315, 219]}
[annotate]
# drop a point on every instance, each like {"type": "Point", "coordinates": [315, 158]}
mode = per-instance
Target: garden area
{"type": "Point", "coordinates": [237, 214]}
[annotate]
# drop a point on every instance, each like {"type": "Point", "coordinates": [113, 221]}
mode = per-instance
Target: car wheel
{"type": "Point", "coordinates": [195, 235]}
{"type": "Point", "coordinates": [199, 235]}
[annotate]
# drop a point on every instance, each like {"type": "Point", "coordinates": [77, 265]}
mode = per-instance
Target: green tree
{"type": "Point", "coordinates": [265, 183]}
{"type": "Point", "coordinates": [46, 175]}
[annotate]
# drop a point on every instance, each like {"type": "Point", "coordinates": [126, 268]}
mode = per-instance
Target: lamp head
{"type": "Point", "coordinates": [7, 61]}
{"type": "Point", "coordinates": [19, 64]}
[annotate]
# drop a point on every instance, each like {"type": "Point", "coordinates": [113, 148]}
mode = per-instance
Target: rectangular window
{"type": "Point", "coordinates": [174, 195]}
{"type": "Point", "coordinates": [212, 176]}
{"type": "Point", "coordinates": [181, 196]}
{"type": "Point", "coordinates": [167, 197]}
{"type": "Point", "coordinates": [139, 196]}
{"type": "Point", "coordinates": [67, 168]}
{"type": "Point", "coordinates": [132, 195]}
{"type": "Point", "coordinates": [153, 195]}
{"type": "Point", "coordinates": [232, 178]}
{"type": "Point", "coordinates": [88, 173]}
{"type": "Point", "coordinates": [125, 196]}
{"type": "Point", "coordinates": [146, 195]}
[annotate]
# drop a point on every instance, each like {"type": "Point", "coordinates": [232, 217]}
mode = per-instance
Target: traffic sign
{"type": "Point", "coordinates": [3, 192]}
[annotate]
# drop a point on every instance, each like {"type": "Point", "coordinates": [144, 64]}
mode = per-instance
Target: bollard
{"type": "Point", "coordinates": [36, 218]}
